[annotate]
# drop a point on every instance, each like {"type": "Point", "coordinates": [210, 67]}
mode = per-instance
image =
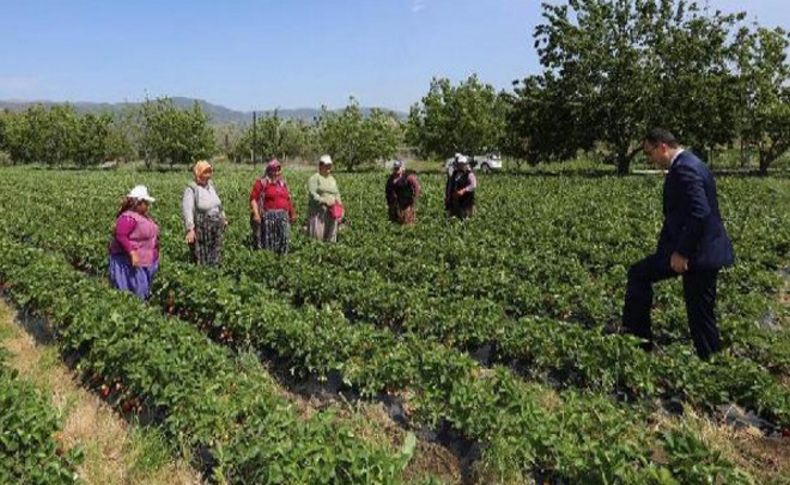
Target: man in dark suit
{"type": "Point", "coordinates": [693, 243]}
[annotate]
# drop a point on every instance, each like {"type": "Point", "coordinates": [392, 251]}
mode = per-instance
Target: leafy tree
{"type": "Point", "coordinates": [276, 137]}
{"type": "Point", "coordinates": [125, 135]}
{"type": "Point", "coordinates": [297, 139]}
{"type": "Point", "coordinates": [764, 94]}
{"type": "Point", "coordinates": [93, 139]}
{"type": "Point", "coordinates": [41, 135]}
{"type": "Point", "coordinates": [538, 107]}
{"type": "Point", "coordinates": [228, 137]}
{"type": "Point", "coordinates": [5, 119]}
{"type": "Point", "coordinates": [621, 66]}
{"type": "Point", "coordinates": [14, 136]}
{"type": "Point", "coordinates": [696, 84]}
{"type": "Point", "coordinates": [468, 118]}
{"type": "Point", "coordinates": [353, 139]}
{"type": "Point", "coordinates": [169, 134]}
{"type": "Point", "coordinates": [119, 145]}
{"type": "Point", "coordinates": [268, 136]}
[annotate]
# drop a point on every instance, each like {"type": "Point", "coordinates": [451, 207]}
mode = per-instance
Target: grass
{"type": "Point", "coordinates": [765, 459]}
{"type": "Point", "coordinates": [114, 451]}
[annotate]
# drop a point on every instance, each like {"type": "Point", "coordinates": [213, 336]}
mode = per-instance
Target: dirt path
{"type": "Point", "coordinates": [115, 452]}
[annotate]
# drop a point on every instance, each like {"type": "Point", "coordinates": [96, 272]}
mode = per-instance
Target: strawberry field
{"type": "Point", "coordinates": [491, 339]}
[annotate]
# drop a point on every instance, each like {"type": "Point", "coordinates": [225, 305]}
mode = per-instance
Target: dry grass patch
{"type": "Point", "coordinates": [115, 451]}
{"type": "Point", "coordinates": [766, 459]}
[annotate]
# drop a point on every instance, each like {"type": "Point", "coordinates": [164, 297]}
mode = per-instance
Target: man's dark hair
{"type": "Point", "coordinates": [660, 135]}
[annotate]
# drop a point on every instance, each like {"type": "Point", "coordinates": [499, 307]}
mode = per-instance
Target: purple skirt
{"type": "Point", "coordinates": [124, 276]}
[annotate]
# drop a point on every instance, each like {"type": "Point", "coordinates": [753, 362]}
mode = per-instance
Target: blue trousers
{"type": "Point", "coordinates": [699, 292]}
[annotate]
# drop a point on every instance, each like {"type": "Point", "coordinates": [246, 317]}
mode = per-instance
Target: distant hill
{"type": "Point", "coordinates": [219, 114]}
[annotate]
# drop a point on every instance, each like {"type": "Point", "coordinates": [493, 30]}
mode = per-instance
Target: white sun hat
{"type": "Point", "coordinates": [462, 159]}
{"type": "Point", "coordinates": [140, 192]}
{"type": "Point", "coordinates": [325, 160]}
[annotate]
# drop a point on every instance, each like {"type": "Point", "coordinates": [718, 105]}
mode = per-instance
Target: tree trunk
{"type": "Point", "coordinates": [623, 164]}
{"type": "Point", "coordinates": [767, 155]}
{"type": "Point", "coordinates": [765, 162]}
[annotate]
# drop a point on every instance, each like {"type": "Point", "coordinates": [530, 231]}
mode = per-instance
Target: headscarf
{"type": "Point", "coordinates": [272, 167]}
{"type": "Point", "coordinates": [201, 167]}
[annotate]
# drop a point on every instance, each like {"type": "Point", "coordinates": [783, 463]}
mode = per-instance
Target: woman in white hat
{"type": "Point", "coordinates": [459, 193]}
{"type": "Point", "coordinates": [134, 249]}
{"type": "Point", "coordinates": [324, 208]}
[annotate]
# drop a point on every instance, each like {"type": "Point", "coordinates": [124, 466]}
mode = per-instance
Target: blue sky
{"type": "Point", "coordinates": [271, 53]}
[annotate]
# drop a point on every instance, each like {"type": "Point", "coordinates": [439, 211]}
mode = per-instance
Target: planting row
{"type": "Point", "coordinates": [29, 452]}
{"type": "Point", "coordinates": [525, 429]}
{"type": "Point", "coordinates": [521, 429]}
{"type": "Point", "coordinates": [566, 263]}
{"type": "Point", "coordinates": [227, 411]}
{"type": "Point", "coordinates": [565, 354]}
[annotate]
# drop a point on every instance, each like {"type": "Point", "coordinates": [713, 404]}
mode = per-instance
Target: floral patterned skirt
{"type": "Point", "coordinates": [209, 232]}
{"type": "Point", "coordinates": [273, 232]}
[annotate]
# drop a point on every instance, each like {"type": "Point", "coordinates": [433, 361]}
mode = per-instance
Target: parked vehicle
{"type": "Point", "coordinates": [487, 163]}
{"type": "Point", "coordinates": [483, 163]}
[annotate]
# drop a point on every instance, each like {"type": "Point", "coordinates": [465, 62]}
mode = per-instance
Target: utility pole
{"type": "Point", "coordinates": [254, 136]}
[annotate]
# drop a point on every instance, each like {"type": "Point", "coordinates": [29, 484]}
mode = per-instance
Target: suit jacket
{"type": "Point", "coordinates": [692, 222]}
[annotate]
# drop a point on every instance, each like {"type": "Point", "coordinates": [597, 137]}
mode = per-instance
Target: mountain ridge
{"type": "Point", "coordinates": [219, 114]}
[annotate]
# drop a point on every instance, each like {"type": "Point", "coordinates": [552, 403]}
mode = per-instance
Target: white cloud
{"type": "Point", "coordinates": [417, 6]}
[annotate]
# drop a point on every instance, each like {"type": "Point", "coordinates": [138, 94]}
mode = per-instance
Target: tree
{"type": "Point", "coordinates": [468, 118]}
{"type": "Point", "coordinates": [764, 94]}
{"type": "Point", "coordinates": [276, 137]}
{"type": "Point", "coordinates": [15, 131]}
{"type": "Point", "coordinates": [297, 139]}
{"type": "Point", "coordinates": [227, 139]}
{"type": "Point", "coordinates": [353, 139]}
{"type": "Point", "coordinates": [125, 135]}
{"type": "Point", "coordinates": [696, 82]}
{"type": "Point", "coordinates": [93, 139]}
{"type": "Point", "coordinates": [5, 120]}
{"type": "Point", "coordinates": [622, 66]}
{"type": "Point", "coordinates": [172, 135]}
{"type": "Point", "coordinates": [542, 124]}
{"type": "Point", "coordinates": [41, 135]}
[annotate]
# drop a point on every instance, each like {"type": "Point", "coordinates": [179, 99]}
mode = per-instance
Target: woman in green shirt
{"type": "Point", "coordinates": [323, 194]}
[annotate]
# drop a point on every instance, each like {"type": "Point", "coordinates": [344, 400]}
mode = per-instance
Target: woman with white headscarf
{"type": "Point", "coordinates": [459, 193]}
{"type": "Point", "coordinates": [324, 208]}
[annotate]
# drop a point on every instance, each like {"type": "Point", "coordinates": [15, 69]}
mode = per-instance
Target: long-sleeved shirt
{"type": "Point", "coordinates": [454, 183]}
{"type": "Point", "coordinates": [322, 191]}
{"type": "Point", "coordinates": [275, 196]}
{"type": "Point", "coordinates": [123, 229]}
{"type": "Point", "coordinates": [402, 188]}
{"type": "Point", "coordinates": [201, 198]}
{"type": "Point", "coordinates": [472, 182]}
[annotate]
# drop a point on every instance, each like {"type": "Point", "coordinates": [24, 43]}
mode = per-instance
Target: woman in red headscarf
{"type": "Point", "coordinates": [271, 210]}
